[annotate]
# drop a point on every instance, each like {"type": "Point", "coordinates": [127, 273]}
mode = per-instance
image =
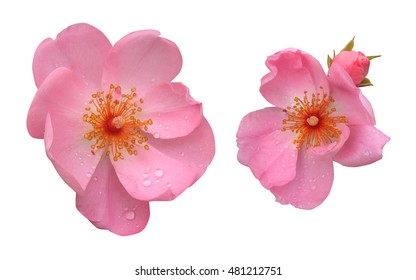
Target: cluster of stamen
{"type": "Point", "coordinates": [312, 120]}
{"type": "Point", "coordinates": [115, 126]}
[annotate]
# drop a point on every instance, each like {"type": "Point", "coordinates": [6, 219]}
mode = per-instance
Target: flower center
{"type": "Point", "coordinates": [115, 126]}
{"type": "Point", "coordinates": [312, 120]}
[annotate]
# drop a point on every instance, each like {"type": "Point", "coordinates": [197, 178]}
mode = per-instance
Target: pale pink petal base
{"type": "Point", "coordinates": [107, 205]}
{"type": "Point", "coordinates": [312, 183]}
{"type": "Point", "coordinates": [364, 146]}
{"type": "Point", "coordinates": [332, 149]}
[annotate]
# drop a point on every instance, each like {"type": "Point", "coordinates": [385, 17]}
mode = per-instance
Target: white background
{"type": "Point", "coordinates": [364, 230]}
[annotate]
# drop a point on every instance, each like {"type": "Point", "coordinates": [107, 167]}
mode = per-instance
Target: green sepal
{"type": "Point", "coordinates": [329, 61]}
{"type": "Point", "coordinates": [365, 83]}
{"type": "Point", "coordinates": [349, 46]}
{"type": "Point", "coordinates": [370, 57]}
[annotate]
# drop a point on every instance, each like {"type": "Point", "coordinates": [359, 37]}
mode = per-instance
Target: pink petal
{"type": "Point", "coordinates": [174, 113]}
{"type": "Point", "coordinates": [142, 59]}
{"type": "Point", "coordinates": [169, 167]}
{"type": "Point", "coordinates": [56, 114]}
{"type": "Point", "coordinates": [349, 101]}
{"type": "Point", "coordinates": [292, 72]}
{"type": "Point", "coordinates": [364, 146]}
{"type": "Point", "coordinates": [107, 205]}
{"type": "Point", "coordinates": [197, 149]}
{"type": "Point", "coordinates": [61, 91]}
{"type": "Point", "coordinates": [68, 151]}
{"type": "Point", "coordinates": [331, 149]}
{"type": "Point", "coordinates": [266, 149]}
{"type": "Point", "coordinates": [254, 125]}
{"type": "Point", "coordinates": [312, 184]}
{"type": "Point", "coordinates": [274, 159]}
{"type": "Point", "coordinates": [80, 47]}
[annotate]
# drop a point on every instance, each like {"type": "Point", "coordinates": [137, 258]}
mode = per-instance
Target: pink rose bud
{"type": "Point", "coordinates": [355, 63]}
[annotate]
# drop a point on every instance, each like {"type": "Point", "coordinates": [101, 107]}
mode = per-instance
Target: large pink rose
{"type": "Point", "coordinates": [117, 130]}
{"type": "Point", "coordinates": [316, 119]}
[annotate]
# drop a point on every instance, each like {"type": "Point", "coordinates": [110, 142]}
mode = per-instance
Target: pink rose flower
{"type": "Point", "coordinates": [356, 64]}
{"type": "Point", "coordinates": [317, 119]}
{"type": "Point", "coordinates": [117, 130]}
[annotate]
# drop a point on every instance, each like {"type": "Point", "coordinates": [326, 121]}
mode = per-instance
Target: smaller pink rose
{"type": "Point", "coordinates": [356, 64]}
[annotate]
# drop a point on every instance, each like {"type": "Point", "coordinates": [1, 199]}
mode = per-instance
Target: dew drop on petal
{"type": "Point", "coordinates": [159, 173]}
{"type": "Point", "coordinates": [182, 154]}
{"type": "Point", "coordinates": [147, 183]}
{"type": "Point", "coordinates": [130, 215]}
{"type": "Point", "coordinates": [313, 187]}
{"type": "Point", "coordinates": [89, 174]}
{"type": "Point", "coordinates": [156, 135]}
{"type": "Point", "coordinates": [186, 117]}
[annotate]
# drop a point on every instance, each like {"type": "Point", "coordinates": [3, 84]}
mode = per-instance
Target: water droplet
{"type": "Point", "coordinates": [147, 183]}
{"type": "Point", "coordinates": [182, 154]}
{"type": "Point", "coordinates": [95, 178]}
{"type": "Point", "coordinates": [89, 174]}
{"type": "Point", "coordinates": [159, 173]}
{"type": "Point", "coordinates": [130, 215]}
{"type": "Point", "coordinates": [169, 185]}
{"type": "Point", "coordinates": [145, 175]}
{"type": "Point", "coordinates": [367, 153]}
{"type": "Point", "coordinates": [167, 127]}
{"type": "Point", "coordinates": [186, 117]}
{"type": "Point", "coordinates": [313, 187]}
{"type": "Point", "coordinates": [156, 135]}
{"type": "Point", "coordinates": [81, 163]}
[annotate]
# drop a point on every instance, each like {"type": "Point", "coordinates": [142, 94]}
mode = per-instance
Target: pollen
{"type": "Point", "coordinates": [115, 126]}
{"type": "Point", "coordinates": [312, 119]}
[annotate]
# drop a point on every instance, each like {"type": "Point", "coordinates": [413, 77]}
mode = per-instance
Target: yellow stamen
{"type": "Point", "coordinates": [311, 120]}
{"type": "Point", "coordinates": [114, 122]}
